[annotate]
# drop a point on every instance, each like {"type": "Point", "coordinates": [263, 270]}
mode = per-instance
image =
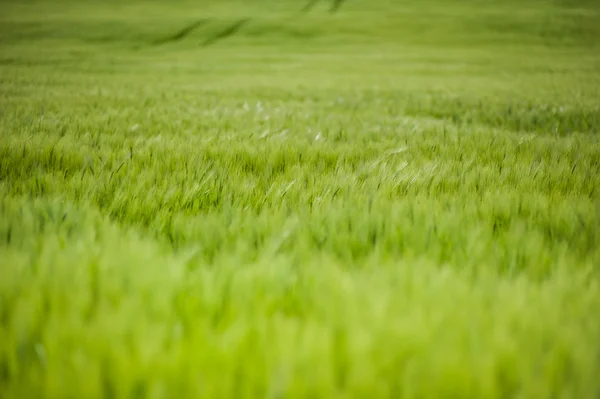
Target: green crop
{"type": "Point", "coordinates": [343, 199]}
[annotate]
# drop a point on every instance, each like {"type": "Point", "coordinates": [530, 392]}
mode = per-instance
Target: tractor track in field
{"type": "Point", "coordinates": [232, 29]}
{"type": "Point", "coordinates": [227, 32]}
{"type": "Point", "coordinates": [182, 33]}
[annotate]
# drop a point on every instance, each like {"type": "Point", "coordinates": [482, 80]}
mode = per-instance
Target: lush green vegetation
{"type": "Point", "coordinates": [354, 199]}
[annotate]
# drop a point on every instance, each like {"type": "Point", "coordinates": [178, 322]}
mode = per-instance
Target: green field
{"type": "Point", "coordinates": [288, 199]}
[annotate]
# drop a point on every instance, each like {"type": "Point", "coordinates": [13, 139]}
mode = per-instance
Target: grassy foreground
{"type": "Point", "coordinates": [254, 199]}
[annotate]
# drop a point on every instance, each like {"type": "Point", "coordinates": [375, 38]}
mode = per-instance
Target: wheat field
{"type": "Point", "coordinates": [292, 199]}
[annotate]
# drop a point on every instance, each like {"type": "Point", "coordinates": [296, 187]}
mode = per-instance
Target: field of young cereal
{"type": "Point", "coordinates": [291, 199]}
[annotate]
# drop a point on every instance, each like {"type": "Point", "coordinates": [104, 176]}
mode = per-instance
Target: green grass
{"type": "Point", "coordinates": [221, 199]}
